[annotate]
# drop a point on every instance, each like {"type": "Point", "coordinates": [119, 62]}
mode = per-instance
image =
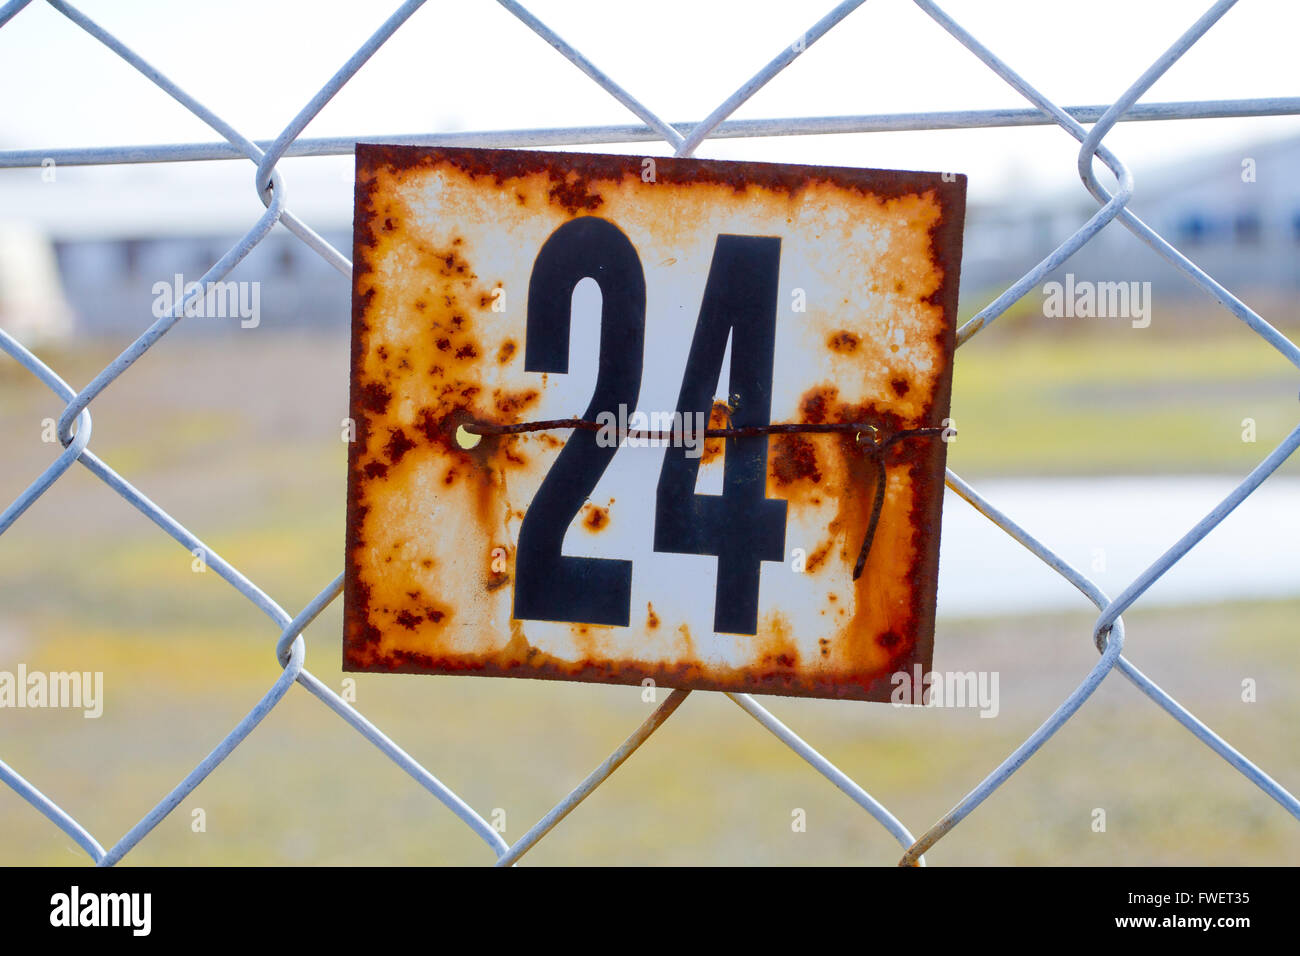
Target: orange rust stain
{"type": "Point", "coordinates": [574, 192]}
{"type": "Point", "coordinates": [651, 618]}
{"type": "Point", "coordinates": [594, 518]}
{"type": "Point", "coordinates": [719, 417]}
{"type": "Point", "coordinates": [398, 445]}
{"type": "Point", "coordinates": [793, 459]}
{"type": "Point", "coordinates": [844, 342]}
{"type": "Point", "coordinates": [775, 646]}
{"type": "Point", "coordinates": [421, 373]}
{"type": "Point", "coordinates": [818, 558]}
{"type": "Point", "coordinates": [687, 642]}
{"type": "Point", "coordinates": [510, 404]}
{"type": "Point", "coordinates": [823, 471]}
{"type": "Point", "coordinates": [412, 611]}
{"type": "Point", "coordinates": [518, 648]}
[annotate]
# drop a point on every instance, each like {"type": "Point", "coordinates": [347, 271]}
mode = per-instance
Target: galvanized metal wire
{"type": "Point", "coordinates": [75, 425]}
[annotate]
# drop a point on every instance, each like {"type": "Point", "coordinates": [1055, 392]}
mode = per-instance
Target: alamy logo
{"type": "Point", "coordinates": [946, 689]}
{"type": "Point", "coordinates": [220, 300]}
{"type": "Point", "coordinates": [83, 690]}
{"type": "Point", "coordinates": [675, 429]}
{"type": "Point", "coordinates": [74, 908]}
{"type": "Point", "coordinates": [1104, 300]}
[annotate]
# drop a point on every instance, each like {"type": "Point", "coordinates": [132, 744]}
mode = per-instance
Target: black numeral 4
{"type": "Point", "coordinates": [742, 526]}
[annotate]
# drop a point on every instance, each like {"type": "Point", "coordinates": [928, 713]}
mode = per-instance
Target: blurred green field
{"type": "Point", "coordinates": [239, 439]}
{"type": "Point", "coordinates": [1117, 400]}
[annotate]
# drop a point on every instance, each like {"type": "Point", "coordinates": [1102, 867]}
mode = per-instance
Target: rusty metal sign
{"type": "Point", "coordinates": [541, 343]}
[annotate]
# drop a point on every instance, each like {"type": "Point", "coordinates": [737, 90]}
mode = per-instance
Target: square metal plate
{"type": "Point", "coordinates": [507, 286]}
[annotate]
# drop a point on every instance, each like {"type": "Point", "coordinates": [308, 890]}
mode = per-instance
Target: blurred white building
{"type": "Point", "coordinates": [117, 232]}
{"type": "Point", "coordinates": [33, 308]}
{"type": "Point", "coordinates": [1236, 215]}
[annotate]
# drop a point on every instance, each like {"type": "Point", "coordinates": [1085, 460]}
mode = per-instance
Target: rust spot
{"type": "Point", "coordinates": [574, 192]}
{"type": "Point", "coordinates": [594, 518]}
{"type": "Point", "coordinates": [812, 408]}
{"type": "Point", "coordinates": [651, 618]}
{"type": "Point", "coordinates": [398, 445]}
{"type": "Point", "coordinates": [900, 386]}
{"type": "Point", "coordinates": [817, 559]}
{"type": "Point", "coordinates": [687, 642]}
{"type": "Point", "coordinates": [719, 417]}
{"type": "Point", "coordinates": [510, 404]}
{"type": "Point", "coordinates": [793, 459]}
{"type": "Point", "coordinates": [506, 352]}
{"type": "Point", "coordinates": [776, 647]}
{"type": "Point", "coordinates": [373, 397]}
{"type": "Point", "coordinates": [844, 342]}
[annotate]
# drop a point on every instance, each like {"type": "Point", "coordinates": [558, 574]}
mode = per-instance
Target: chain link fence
{"type": "Point", "coordinates": [75, 425]}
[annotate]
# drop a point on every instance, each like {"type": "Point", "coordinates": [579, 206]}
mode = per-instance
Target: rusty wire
{"type": "Point", "coordinates": [874, 448]}
{"type": "Point", "coordinates": [1108, 630]}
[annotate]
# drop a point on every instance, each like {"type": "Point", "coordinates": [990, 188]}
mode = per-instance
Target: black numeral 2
{"type": "Point", "coordinates": [742, 526]}
{"type": "Point", "coordinates": [548, 585]}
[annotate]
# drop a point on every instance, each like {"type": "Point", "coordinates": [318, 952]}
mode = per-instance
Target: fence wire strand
{"type": "Point", "coordinates": [75, 427]}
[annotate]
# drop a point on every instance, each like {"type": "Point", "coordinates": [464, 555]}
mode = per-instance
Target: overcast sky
{"type": "Point", "coordinates": [471, 65]}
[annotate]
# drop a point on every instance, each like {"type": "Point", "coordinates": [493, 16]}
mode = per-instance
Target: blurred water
{"type": "Point", "coordinates": [1112, 529]}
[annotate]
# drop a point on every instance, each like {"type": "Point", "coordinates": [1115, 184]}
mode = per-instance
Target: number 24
{"type": "Point", "coordinates": [742, 526]}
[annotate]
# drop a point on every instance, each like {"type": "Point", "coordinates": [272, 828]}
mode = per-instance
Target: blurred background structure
{"type": "Point", "coordinates": [1107, 442]}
